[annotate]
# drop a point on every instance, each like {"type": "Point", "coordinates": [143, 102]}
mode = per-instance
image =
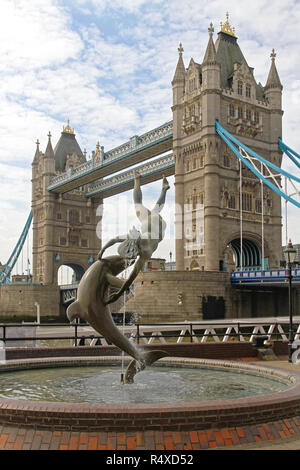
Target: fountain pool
{"type": "Point", "coordinates": [85, 393]}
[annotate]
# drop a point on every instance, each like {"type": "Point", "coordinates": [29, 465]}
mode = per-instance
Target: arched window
{"type": "Point", "coordinates": [248, 91]}
{"type": "Point", "coordinates": [240, 88]}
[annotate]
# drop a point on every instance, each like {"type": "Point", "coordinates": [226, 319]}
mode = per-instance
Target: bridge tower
{"type": "Point", "coordinates": [64, 225]}
{"type": "Point", "coordinates": [207, 173]}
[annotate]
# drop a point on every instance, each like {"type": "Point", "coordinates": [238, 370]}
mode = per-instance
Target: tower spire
{"type": "Point", "coordinates": [37, 151]}
{"type": "Point", "coordinates": [180, 69]}
{"type": "Point", "coordinates": [273, 80]}
{"type": "Point", "coordinates": [210, 57]}
{"type": "Point", "coordinates": [49, 150]}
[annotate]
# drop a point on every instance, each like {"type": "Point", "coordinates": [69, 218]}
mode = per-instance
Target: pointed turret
{"type": "Point", "coordinates": [273, 80]}
{"type": "Point", "coordinates": [37, 153]}
{"type": "Point", "coordinates": [178, 82]}
{"type": "Point", "coordinates": [180, 69]}
{"type": "Point", "coordinates": [210, 57]}
{"type": "Point", "coordinates": [49, 153]}
{"type": "Point", "coordinates": [273, 94]}
{"type": "Point", "coordinates": [211, 68]}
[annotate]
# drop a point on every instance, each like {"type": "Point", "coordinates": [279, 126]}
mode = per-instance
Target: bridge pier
{"type": "Point", "coordinates": [17, 302]}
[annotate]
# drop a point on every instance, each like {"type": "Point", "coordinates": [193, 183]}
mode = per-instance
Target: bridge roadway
{"type": "Point", "coordinates": [136, 150]}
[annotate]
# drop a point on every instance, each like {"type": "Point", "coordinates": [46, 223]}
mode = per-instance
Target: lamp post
{"type": "Point", "coordinates": [290, 255]}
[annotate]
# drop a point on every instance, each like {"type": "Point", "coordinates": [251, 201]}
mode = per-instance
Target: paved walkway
{"type": "Point", "coordinates": [279, 435]}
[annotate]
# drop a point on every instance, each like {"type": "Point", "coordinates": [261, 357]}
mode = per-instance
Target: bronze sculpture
{"type": "Point", "coordinates": [91, 304]}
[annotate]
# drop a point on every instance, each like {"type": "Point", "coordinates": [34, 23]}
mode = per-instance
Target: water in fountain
{"type": "Point", "coordinates": [101, 384]}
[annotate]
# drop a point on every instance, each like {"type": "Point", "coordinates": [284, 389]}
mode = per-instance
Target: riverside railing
{"type": "Point", "coordinates": [31, 334]}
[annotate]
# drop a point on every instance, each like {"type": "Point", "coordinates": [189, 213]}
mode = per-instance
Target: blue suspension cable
{"type": "Point", "coordinates": [8, 267]}
{"type": "Point", "coordinates": [288, 151]}
{"type": "Point", "coordinates": [228, 138]}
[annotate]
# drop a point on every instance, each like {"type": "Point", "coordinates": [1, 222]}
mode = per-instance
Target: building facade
{"type": "Point", "coordinates": [207, 173]}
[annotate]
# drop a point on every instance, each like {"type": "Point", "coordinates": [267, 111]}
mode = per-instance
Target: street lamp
{"type": "Point", "coordinates": [290, 255]}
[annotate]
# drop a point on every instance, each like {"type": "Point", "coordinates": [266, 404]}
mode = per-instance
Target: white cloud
{"type": "Point", "coordinates": [72, 60]}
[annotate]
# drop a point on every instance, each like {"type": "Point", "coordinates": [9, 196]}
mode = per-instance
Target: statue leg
{"type": "Point", "coordinates": [141, 211]}
{"type": "Point", "coordinates": [162, 198]}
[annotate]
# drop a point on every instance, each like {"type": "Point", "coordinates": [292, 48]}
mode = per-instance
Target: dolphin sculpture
{"type": "Point", "coordinates": [90, 306]}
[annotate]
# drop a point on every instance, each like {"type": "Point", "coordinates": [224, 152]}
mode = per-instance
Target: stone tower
{"type": "Point", "coordinates": [207, 173]}
{"type": "Point", "coordinates": [64, 225]}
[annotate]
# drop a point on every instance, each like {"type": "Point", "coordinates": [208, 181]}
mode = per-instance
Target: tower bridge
{"type": "Point", "coordinates": [224, 146]}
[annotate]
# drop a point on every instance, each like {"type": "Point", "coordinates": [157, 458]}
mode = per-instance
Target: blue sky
{"type": "Point", "coordinates": [107, 66]}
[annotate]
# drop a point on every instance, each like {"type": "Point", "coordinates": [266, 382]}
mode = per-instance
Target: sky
{"type": "Point", "coordinates": [107, 66]}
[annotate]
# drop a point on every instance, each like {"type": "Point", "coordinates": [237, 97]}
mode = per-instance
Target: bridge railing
{"type": "Point", "coordinates": [136, 143]}
{"type": "Point", "coordinates": [149, 168]}
{"type": "Point", "coordinates": [193, 332]}
{"type": "Point", "coordinates": [272, 275]}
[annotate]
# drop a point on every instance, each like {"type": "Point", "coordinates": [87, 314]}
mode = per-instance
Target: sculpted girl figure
{"type": "Point", "coordinates": [140, 245]}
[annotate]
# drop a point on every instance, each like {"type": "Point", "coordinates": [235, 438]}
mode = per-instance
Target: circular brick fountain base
{"type": "Point", "coordinates": [157, 416]}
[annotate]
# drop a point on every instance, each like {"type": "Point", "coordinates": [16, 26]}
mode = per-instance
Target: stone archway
{"type": "Point", "coordinates": [74, 274]}
{"type": "Point", "coordinates": [251, 254]}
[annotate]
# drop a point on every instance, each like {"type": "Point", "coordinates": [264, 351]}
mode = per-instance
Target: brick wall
{"type": "Point", "coordinates": [230, 350]}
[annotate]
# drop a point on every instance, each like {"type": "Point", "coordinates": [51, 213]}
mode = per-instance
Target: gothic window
{"type": "Point", "coordinates": [226, 161]}
{"type": "Point", "coordinates": [88, 219]}
{"type": "Point", "coordinates": [201, 161]}
{"type": "Point", "coordinates": [240, 112]}
{"type": "Point", "coordinates": [194, 202]}
{"type": "Point", "coordinates": [240, 88]}
{"type": "Point", "coordinates": [187, 166]}
{"type": "Point", "coordinates": [62, 241]}
{"type": "Point", "coordinates": [258, 206]}
{"type": "Point", "coordinates": [84, 243]}
{"type": "Point", "coordinates": [201, 199]}
{"type": "Point", "coordinates": [248, 114]}
{"type": "Point", "coordinates": [231, 110]}
{"type": "Point", "coordinates": [194, 163]}
{"type": "Point", "coordinates": [256, 117]}
{"type": "Point", "coordinates": [247, 202]}
{"type": "Point", "coordinates": [74, 217]}
{"type": "Point", "coordinates": [231, 202]}
{"type": "Point", "coordinates": [58, 216]}
{"type": "Point", "coordinates": [248, 91]}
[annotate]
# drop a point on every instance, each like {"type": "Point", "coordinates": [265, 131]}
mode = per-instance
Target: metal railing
{"type": "Point", "coordinates": [141, 333]}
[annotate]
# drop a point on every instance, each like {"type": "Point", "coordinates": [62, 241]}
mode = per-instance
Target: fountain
{"type": "Point", "coordinates": [175, 394]}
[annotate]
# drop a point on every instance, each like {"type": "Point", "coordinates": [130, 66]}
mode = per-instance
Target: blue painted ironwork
{"type": "Point", "coordinates": [8, 267]}
{"type": "Point", "coordinates": [151, 139]}
{"type": "Point", "coordinates": [272, 276]}
{"type": "Point", "coordinates": [231, 140]}
{"type": "Point", "coordinates": [289, 152]}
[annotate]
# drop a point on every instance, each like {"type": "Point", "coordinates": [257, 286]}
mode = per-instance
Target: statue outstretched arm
{"type": "Point", "coordinates": [136, 269]}
{"type": "Point", "coordinates": [111, 242]}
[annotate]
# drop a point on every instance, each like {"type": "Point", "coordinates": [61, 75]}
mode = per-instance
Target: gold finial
{"type": "Point", "coordinates": [180, 49]}
{"type": "Point", "coordinates": [68, 129]}
{"type": "Point", "coordinates": [226, 28]}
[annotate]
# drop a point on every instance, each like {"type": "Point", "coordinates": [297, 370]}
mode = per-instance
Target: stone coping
{"type": "Point", "coordinates": [158, 416]}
